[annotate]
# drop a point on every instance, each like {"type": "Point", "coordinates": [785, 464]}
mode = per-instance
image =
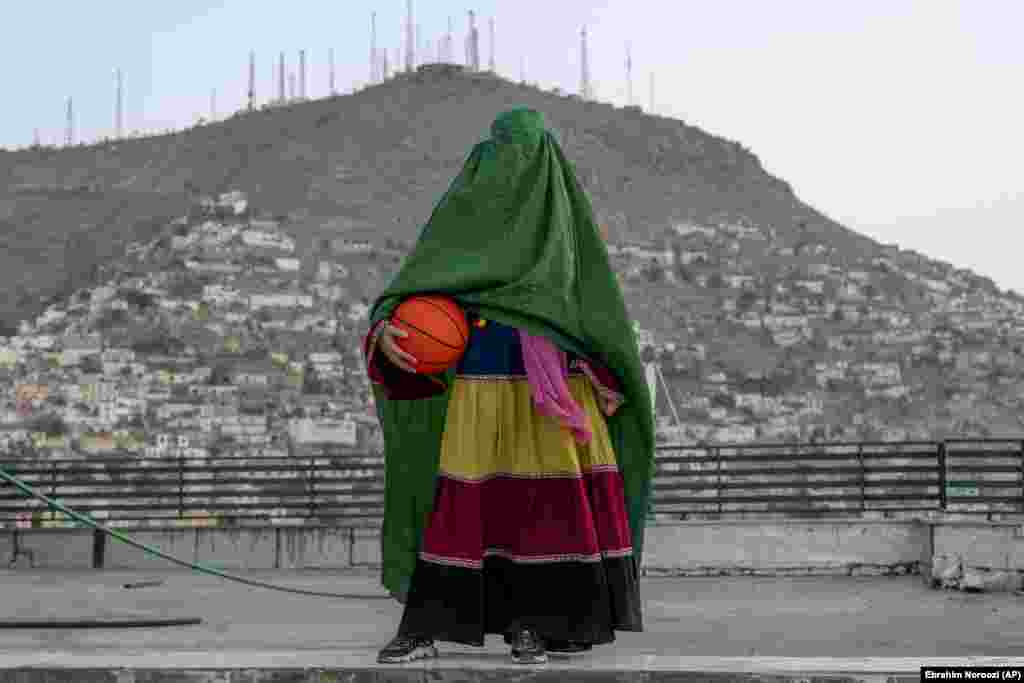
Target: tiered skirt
{"type": "Point", "coordinates": [528, 527]}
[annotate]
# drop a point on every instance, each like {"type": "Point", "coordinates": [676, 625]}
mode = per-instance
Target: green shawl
{"type": "Point", "coordinates": [514, 240]}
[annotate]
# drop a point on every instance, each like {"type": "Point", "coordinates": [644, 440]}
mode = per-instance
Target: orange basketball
{"type": "Point", "coordinates": [438, 331]}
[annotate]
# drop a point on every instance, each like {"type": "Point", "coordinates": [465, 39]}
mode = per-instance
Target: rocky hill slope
{"type": "Point", "coordinates": [374, 162]}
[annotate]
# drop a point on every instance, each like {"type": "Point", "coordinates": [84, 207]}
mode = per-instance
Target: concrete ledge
{"type": "Point", "coordinates": [64, 548]}
{"type": "Point", "coordinates": [351, 667]}
{"type": "Point", "coordinates": [688, 548]}
{"type": "Point", "coordinates": [180, 543]}
{"type": "Point", "coordinates": [992, 545]}
{"type": "Point", "coordinates": [413, 675]}
{"type": "Point", "coordinates": [315, 547]}
{"type": "Point", "coordinates": [354, 667]}
{"type": "Point", "coordinates": [768, 545]}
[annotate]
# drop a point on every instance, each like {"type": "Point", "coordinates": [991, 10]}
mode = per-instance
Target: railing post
{"type": "Point", "coordinates": [53, 494]}
{"type": "Point", "coordinates": [860, 464]}
{"type": "Point", "coordinates": [718, 478]}
{"type": "Point", "coordinates": [1020, 468]}
{"type": "Point", "coordinates": [312, 485]}
{"type": "Point", "coordinates": [181, 486]}
{"type": "Point", "coordinates": [942, 475]}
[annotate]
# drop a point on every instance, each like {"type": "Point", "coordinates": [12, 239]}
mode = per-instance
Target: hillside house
{"type": "Point", "coordinates": [350, 246]}
{"type": "Point", "coordinates": [739, 281]}
{"type": "Point", "coordinates": [786, 322]}
{"type": "Point", "coordinates": [740, 231]}
{"type": "Point", "coordinates": [833, 371]}
{"type": "Point", "coordinates": [813, 286]}
{"type": "Point", "coordinates": [327, 270]}
{"type": "Point", "coordinates": [937, 286]}
{"type": "Point", "coordinates": [859, 276]}
{"type": "Point", "coordinates": [218, 393]}
{"type": "Point", "coordinates": [8, 357]}
{"type": "Point", "coordinates": [647, 253]}
{"type": "Point", "coordinates": [249, 374]}
{"type": "Point", "coordinates": [736, 433]}
{"type": "Point", "coordinates": [267, 240]}
{"type": "Point", "coordinates": [213, 267]}
{"type": "Point", "coordinates": [32, 392]}
{"type": "Point", "coordinates": [687, 229]}
{"type": "Point", "coordinates": [688, 257]}
{"type": "Point", "coordinates": [49, 316]}
{"type": "Point", "coordinates": [789, 337]}
{"type": "Point", "coordinates": [308, 431]}
{"type": "Point", "coordinates": [328, 292]}
{"type": "Point", "coordinates": [878, 373]}
{"type": "Point", "coordinates": [220, 294]}
{"type": "Point", "coordinates": [358, 311]}
{"type": "Point", "coordinates": [183, 242]}
{"type": "Point", "coordinates": [759, 405]}
{"type": "Point", "coordinates": [267, 225]}
{"type": "Point", "coordinates": [41, 342]}
{"type": "Point", "coordinates": [234, 201]}
{"type": "Point", "coordinates": [77, 347]}
{"type": "Point", "coordinates": [292, 299]}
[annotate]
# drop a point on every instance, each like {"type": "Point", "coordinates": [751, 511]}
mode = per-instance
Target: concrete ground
{"type": "Point", "coordinates": [860, 626]}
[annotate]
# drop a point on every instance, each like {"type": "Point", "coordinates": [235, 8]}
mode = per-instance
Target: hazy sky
{"type": "Point", "coordinates": [899, 119]}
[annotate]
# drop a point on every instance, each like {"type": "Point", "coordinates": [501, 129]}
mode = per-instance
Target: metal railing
{"type": "Point", "coordinates": [841, 478]}
{"type": "Point", "coordinates": [718, 481]}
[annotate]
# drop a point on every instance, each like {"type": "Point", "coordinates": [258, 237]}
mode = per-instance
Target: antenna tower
{"type": "Point", "coordinates": [490, 62]}
{"type": "Point", "coordinates": [585, 66]}
{"type": "Point", "coordinates": [330, 59]}
{"type": "Point", "coordinates": [421, 56]}
{"type": "Point", "coordinates": [280, 79]}
{"type": "Point", "coordinates": [213, 105]}
{"type": "Point", "coordinates": [652, 92]}
{"type": "Point", "coordinates": [449, 43]}
{"type": "Point", "coordinates": [472, 45]}
{"type": "Point", "coordinates": [291, 87]}
{"type": "Point", "coordinates": [69, 131]}
{"type": "Point", "coordinates": [252, 78]}
{"type": "Point", "coordinates": [120, 101]}
{"type": "Point", "coordinates": [375, 74]}
{"type": "Point", "coordinates": [302, 74]}
{"type": "Point", "coordinates": [629, 76]}
{"type": "Point", "coordinates": [408, 37]}
{"type": "Point", "coordinates": [35, 139]}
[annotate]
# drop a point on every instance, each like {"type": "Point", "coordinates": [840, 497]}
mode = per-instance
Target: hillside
{"type": "Point", "coordinates": [767, 319]}
{"type": "Point", "coordinates": [372, 163]}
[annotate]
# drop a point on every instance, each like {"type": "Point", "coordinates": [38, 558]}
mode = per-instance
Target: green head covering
{"type": "Point", "coordinates": [514, 240]}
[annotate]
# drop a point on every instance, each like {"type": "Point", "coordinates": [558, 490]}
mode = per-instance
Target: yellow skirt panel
{"type": "Point", "coordinates": [494, 428]}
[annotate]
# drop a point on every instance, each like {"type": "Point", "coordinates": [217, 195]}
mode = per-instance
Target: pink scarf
{"type": "Point", "coordinates": [548, 371]}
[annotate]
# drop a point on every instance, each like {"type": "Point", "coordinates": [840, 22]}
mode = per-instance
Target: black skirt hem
{"type": "Point", "coordinates": [584, 602]}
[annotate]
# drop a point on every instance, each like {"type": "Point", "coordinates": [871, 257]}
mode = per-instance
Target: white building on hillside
{"type": "Point", "coordinates": [268, 240]}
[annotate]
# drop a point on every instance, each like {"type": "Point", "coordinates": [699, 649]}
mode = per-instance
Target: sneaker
{"type": "Point", "coordinates": [567, 646]}
{"type": "Point", "coordinates": [406, 649]}
{"type": "Point", "coordinates": [528, 648]}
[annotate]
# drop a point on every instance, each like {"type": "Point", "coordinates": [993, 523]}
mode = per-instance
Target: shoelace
{"type": "Point", "coordinates": [528, 639]}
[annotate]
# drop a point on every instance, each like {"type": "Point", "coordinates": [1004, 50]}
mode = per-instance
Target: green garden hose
{"type": "Point", "coordinates": [85, 519]}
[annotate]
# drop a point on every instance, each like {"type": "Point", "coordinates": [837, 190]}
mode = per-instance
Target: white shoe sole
{"type": "Point", "coordinates": [418, 653]}
{"type": "Point", "coordinates": [530, 659]}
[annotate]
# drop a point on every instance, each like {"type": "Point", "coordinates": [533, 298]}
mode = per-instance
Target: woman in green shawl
{"type": "Point", "coordinates": [517, 482]}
